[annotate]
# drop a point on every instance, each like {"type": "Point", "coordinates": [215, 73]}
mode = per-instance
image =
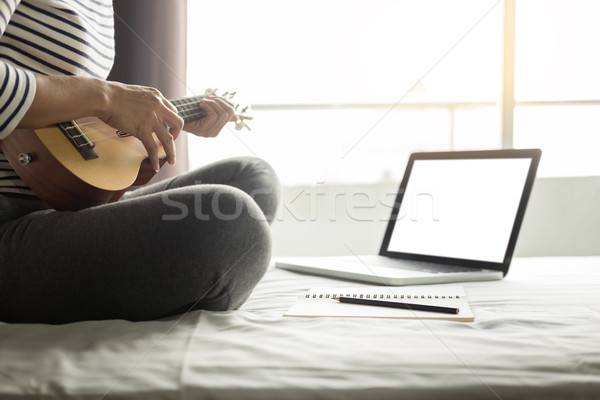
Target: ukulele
{"type": "Point", "coordinates": [85, 162]}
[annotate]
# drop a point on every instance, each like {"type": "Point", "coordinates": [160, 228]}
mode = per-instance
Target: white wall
{"type": "Point", "coordinates": [563, 218]}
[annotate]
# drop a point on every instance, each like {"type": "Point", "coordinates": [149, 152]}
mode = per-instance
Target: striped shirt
{"type": "Point", "coordinates": [48, 37]}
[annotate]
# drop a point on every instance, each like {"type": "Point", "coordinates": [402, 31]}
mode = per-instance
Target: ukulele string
{"type": "Point", "coordinates": [188, 109]}
{"type": "Point", "coordinates": [113, 132]}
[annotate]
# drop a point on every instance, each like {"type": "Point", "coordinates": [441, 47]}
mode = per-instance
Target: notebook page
{"type": "Point", "coordinates": [319, 302]}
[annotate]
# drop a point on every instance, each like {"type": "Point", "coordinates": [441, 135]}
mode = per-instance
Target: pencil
{"type": "Point", "coordinates": [397, 304]}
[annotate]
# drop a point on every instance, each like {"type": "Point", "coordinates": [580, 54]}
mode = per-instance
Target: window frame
{"type": "Point", "coordinates": [504, 105]}
{"type": "Point", "coordinates": [507, 102]}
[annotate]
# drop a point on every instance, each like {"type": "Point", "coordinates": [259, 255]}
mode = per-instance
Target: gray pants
{"type": "Point", "coordinates": [200, 240]}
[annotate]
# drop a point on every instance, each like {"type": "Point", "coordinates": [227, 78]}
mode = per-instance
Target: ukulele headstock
{"type": "Point", "coordinates": [242, 112]}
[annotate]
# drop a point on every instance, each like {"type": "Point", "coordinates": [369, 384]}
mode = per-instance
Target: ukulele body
{"type": "Point", "coordinates": [65, 177]}
{"type": "Point", "coordinates": [85, 163]}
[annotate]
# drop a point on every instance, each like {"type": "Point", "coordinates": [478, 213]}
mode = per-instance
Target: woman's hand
{"type": "Point", "coordinates": [143, 112]}
{"type": "Point", "coordinates": [218, 113]}
{"type": "Point", "coordinates": [137, 110]}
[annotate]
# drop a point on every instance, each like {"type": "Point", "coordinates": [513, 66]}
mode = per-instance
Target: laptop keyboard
{"type": "Point", "coordinates": [378, 261]}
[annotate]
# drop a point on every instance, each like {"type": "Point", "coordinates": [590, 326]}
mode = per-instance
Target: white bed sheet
{"type": "Point", "coordinates": [536, 335]}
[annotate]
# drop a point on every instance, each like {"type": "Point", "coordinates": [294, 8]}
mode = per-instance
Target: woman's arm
{"type": "Point", "coordinates": [63, 98]}
{"type": "Point", "coordinates": [137, 110]}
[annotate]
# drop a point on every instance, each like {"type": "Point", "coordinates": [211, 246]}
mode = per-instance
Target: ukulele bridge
{"type": "Point", "coordinates": [78, 139]}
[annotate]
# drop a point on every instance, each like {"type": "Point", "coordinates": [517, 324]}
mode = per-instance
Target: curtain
{"type": "Point", "coordinates": [150, 41]}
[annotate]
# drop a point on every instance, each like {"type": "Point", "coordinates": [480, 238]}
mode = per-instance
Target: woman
{"type": "Point", "coordinates": [199, 240]}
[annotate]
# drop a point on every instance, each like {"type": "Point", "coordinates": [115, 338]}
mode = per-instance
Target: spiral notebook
{"type": "Point", "coordinates": [319, 302]}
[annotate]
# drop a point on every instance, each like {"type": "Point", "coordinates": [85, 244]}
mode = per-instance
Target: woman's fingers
{"type": "Point", "coordinates": [166, 132]}
{"type": "Point", "coordinates": [146, 114]}
{"type": "Point", "coordinates": [169, 105]}
{"type": "Point", "coordinates": [163, 133]}
{"type": "Point", "coordinates": [151, 148]}
{"type": "Point", "coordinates": [218, 113]}
{"type": "Point", "coordinates": [226, 107]}
{"type": "Point", "coordinates": [163, 129]}
{"type": "Point", "coordinates": [175, 124]}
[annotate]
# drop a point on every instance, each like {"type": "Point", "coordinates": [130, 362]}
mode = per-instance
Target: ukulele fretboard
{"type": "Point", "coordinates": [188, 109]}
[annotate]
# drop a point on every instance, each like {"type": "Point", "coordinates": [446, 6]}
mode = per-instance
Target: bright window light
{"type": "Point", "coordinates": [556, 62]}
{"type": "Point", "coordinates": [344, 91]}
{"type": "Point", "coordinates": [556, 57]}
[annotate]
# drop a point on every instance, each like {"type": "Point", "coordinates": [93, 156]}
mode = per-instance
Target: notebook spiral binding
{"type": "Point", "coordinates": [379, 296]}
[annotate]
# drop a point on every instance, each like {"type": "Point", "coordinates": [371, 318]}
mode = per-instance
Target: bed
{"type": "Point", "coordinates": [536, 335]}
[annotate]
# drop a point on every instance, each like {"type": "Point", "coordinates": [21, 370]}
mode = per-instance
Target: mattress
{"type": "Point", "coordinates": [536, 334]}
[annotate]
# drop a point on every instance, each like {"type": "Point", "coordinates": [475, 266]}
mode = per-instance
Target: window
{"type": "Point", "coordinates": [557, 88]}
{"type": "Point", "coordinates": [343, 91]}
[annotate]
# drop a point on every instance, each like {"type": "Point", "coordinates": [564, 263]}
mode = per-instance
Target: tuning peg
{"type": "Point", "coordinates": [240, 124]}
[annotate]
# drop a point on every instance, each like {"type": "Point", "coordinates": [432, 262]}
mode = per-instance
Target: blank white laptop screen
{"type": "Point", "coordinates": [462, 208]}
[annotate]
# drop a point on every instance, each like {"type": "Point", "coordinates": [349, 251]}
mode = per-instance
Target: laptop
{"type": "Point", "coordinates": [456, 218]}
